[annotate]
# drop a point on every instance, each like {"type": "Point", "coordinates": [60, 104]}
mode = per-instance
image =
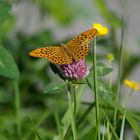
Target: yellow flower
{"type": "Point", "coordinates": [110, 57]}
{"type": "Point", "coordinates": [101, 30]}
{"type": "Point", "coordinates": [132, 84]}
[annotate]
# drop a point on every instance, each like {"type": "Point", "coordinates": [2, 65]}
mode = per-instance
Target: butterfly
{"type": "Point", "coordinates": [74, 50]}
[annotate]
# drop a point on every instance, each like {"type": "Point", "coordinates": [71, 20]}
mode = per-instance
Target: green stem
{"type": "Point", "coordinates": [119, 70]}
{"type": "Point", "coordinates": [96, 90]}
{"type": "Point", "coordinates": [75, 101]}
{"type": "Point", "coordinates": [72, 117]}
{"type": "Point", "coordinates": [122, 127]}
{"type": "Point", "coordinates": [124, 114]}
{"type": "Point", "coordinates": [110, 76]}
{"type": "Point", "coordinates": [17, 108]}
{"type": "Point", "coordinates": [108, 132]}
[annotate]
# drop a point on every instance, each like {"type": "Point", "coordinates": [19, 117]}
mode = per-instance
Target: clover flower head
{"type": "Point", "coordinates": [101, 30]}
{"type": "Point", "coordinates": [77, 70]}
{"type": "Point", "coordinates": [110, 57]}
{"type": "Point", "coordinates": [132, 84]}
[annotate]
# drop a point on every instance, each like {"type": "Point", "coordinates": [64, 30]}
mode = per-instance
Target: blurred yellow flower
{"type": "Point", "coordinates": [132, 84]}
{"type": "Point", "coordinates": [102, 30]}
{"type": "Point", "coordinates": [110, 57]}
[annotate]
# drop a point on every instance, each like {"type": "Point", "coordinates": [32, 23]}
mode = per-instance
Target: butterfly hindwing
{"type": "Point", "coordinates": [55, 54]}
{"type": "Point", "coordinates": [81, 51]}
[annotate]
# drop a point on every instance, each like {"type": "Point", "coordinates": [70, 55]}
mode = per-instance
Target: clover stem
{"type": "Point", "coordinates": [71, 112]}
{"type": "Point", "coordinates": [75, 100]}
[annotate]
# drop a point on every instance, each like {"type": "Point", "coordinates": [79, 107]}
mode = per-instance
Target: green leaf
{"type": "Point", "coordinates": [54, 88]}
{"type": "Point", "coordinates": [102, 70]}
{"type": "Point", "coordinates": [134, 124]}
{"type": "Point", "coordinates": [88, 132]}
{"type": "Point", "coordinates": [8, 67]}
{"type": "Point", "coordinates": [104, 92]}
{"type": "Point", "coordinates": [4, 10]}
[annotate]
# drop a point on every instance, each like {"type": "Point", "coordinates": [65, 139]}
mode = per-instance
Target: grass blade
{"type": "Point", "coordinates": [36, 131]}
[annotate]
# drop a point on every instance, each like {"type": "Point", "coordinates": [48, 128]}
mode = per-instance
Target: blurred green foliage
{"type": "Point", "coordinates": [36, 75]}
{"type": "Point", "coordinates": [6, 19]}
{"type": "Point", "coordinates": [59, 11]}
{"type": "Point", "coordinates": [4, 10]}
{"type": "Point", "coordinates": [64, 11]}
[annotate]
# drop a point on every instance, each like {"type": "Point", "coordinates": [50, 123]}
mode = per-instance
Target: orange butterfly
{"type": "Point", "coordinates": [76, 49]}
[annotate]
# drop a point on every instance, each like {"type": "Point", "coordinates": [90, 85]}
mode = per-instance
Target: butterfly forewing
{"type": "Point", "coordinates": [76, 49]}
{"type": "Point", "coordinates": [83, 38]}
{"type": "Point", "coordinates": [55, 54]}
{"type": "Point", "coordinates": [79, 45]}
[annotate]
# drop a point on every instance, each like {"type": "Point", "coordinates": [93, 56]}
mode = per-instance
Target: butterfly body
{"type": "Point", "coordinates": [76, 49]}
